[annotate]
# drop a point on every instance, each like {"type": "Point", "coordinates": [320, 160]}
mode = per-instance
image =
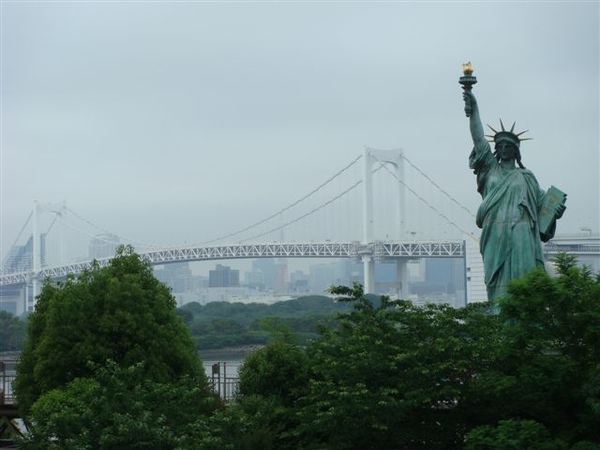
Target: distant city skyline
{"type": "Point", "coordinates": [444, 278]}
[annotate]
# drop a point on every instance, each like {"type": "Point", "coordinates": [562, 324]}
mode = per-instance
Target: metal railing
{"type": "Point", "coordinates": [224, 386]}
{"type": "Point", "coordinates": [7, 376]}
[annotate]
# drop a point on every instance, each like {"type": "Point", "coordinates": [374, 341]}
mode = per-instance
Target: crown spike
{"type": "Point", "coordinates": [489, 126]}
{"type": "Point", "coordinates": [504, 134]}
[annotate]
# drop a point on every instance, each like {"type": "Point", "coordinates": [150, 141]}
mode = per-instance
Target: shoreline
{"type": "Point", "coordinates": [227, 353]}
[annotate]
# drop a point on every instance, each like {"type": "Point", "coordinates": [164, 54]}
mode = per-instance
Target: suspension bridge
{"type": "Point", "coordinates": [378, 207]}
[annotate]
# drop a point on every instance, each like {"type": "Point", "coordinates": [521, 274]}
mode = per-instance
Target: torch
{"type": "Point", "coordinates": [467, 81]}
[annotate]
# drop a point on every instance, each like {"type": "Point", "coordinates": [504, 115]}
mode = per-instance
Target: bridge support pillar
{"type": "Point", "coordinates": [35, 261]}
{"type": "Point", "coordinates": [369, 274]}
{"type": "Point", "coordinates": [402, 277]}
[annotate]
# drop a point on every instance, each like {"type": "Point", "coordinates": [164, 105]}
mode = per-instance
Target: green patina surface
{"type": "Point", "coordinates": [515, 214]}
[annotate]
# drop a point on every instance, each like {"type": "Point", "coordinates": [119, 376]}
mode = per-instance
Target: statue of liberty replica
{"type": "Point", "coordinates": [515, 215]}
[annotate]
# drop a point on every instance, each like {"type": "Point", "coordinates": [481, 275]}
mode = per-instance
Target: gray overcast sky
{"type": "Point", "coordinates": [171, 121]}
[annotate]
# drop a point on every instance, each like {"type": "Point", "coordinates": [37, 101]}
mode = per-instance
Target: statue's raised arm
{"type": "Point", "coordinates": [475, 125]}
{"type": "Point", "coordinates": [481, 145]}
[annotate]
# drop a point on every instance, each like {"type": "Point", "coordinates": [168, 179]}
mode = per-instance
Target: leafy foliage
{"type": "Point", "coordinates": [251, 423]}
{"type": "Point", "coordinates": [396, 376]}
{"type": "Point", "coordinates": [513, 434]}
{"type": "Point", "coordinates": [120, 313]}
{"type": "Point", "coordinates": [12, 332]}
{"type": "Point", "coordinates": [224, 324]}
{"type": "Point", "coordinates": [384, 374]}
{"type": "Point", "coordinates": [392, 376]}
{"type": "Point", "coordinates": [115, 408]}
{"type": "Point", "coordinates": [551, 330]}
{"type": "Point", "coordinates": [279, 370]}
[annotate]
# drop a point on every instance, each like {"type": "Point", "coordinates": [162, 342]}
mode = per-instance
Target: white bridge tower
{"type": "Point", "coordinates": [396, 159]}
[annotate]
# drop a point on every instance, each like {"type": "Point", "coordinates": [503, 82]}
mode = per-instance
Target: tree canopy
{"type": "Point", "coordinates": [224, 324]}
{"type": "Point", "coordinates": [393, 375]}
{"type": "Point", "coordinates": [12, 332]}
{"type": "Point", "coordinates": [523, 373]}
{"type": "Point", "coordinates": [118, 313]}
{"type": "Point", "coordinates": [116, 407]}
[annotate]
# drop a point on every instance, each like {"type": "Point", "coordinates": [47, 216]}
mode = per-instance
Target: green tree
{"type": "Point", "coordinates": [549, 355]}
{"type": "Point", "coordinates": [394, 375]}
{"type": "Point", "coordinates": [116, 408]}
{"type": "Point", "coordinates": [279, 369]}
{"type": "Point", "coordinates": [119, 313]}
{"type": "Point", "coordinates": [271, 380]}
{"type": "Point", "coordinates": [221, 324]}
{"type": "Point", "coordinates": [251, 423]}
{"type": "Point", "coordinates": [12, 332]}
{"type": "Point", "coordinates": [513, 435]}
{"type": "Point", "coordinates": [389, 374]}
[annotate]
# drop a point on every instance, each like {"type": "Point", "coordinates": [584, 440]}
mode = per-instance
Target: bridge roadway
{"type": "Point", "coordinates": [586, 248]}
{"type": "Point", "coordinates": [378, 250]}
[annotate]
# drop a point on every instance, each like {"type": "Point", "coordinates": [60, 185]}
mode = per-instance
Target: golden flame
{"type": "Point", "coordinates": [467, 68]}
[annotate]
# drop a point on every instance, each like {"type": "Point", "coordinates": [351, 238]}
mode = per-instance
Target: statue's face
{"type": "Point", "coordinates": [506, 150]}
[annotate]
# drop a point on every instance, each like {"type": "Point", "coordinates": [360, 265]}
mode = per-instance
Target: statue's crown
{"type": "Point", "coordinates": [507, 136]}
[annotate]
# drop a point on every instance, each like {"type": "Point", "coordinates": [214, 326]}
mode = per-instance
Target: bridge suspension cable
{"type": "Point", "coordinates": [425, 202]}
{"type": "Point", "coordinates": [132, 241]}
{"type": "Point", "coordinates": [442, 190]}
{"type": "Point", "coordinates": [297, 202]}
{"type": "Point", "coordinates": [314, 210]}
{"type": "Point", "coordinates": [23, 228]}
{"type": "Point", "coordinates": [17, 239]}
{"type": "Point", "coordinates": [56, 216]}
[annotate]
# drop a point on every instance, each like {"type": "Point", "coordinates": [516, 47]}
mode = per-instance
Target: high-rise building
{"type": "Point", "coordinates": [223, 276]}
{"type": "Point", "coordinates": [299, 282]}
{"type": "Point", "coordinates": [281, 283]}
{"type": "Point", "coordinates": [444, 281]}
{"type": "Point", "coordinates": [19, 258]}
{"type": "Point", "coordinates": [176, 275]}
{"type": "Point", "coordinates": [269, 271]}
{"type": "Point", "coordinates": [12, 300]}
{"type": "Point", "coordinates": [254, 279]}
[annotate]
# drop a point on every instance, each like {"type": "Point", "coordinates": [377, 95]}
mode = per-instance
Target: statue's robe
{"type": "Point", "coordinates": [509, 218]}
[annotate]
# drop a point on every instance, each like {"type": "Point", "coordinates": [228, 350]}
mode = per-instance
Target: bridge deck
{"type": "Point", "coordinates": [355, 250]}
